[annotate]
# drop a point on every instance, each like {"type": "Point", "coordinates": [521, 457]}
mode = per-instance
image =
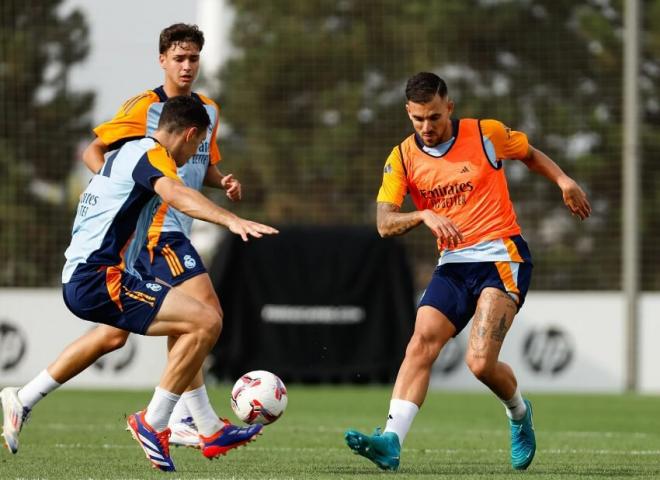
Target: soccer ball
{"type": "Point", "coordinates": [259, 397]}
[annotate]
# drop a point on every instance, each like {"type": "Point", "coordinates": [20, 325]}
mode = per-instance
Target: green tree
{"type": "Point", "coordinates": [650, 152]}
{"type": "Point", "coordinates": [314, 101]}
{"type": "Point", "coordinates": [42, 120]}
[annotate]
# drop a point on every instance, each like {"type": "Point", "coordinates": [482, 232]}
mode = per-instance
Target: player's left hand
{"type": "Point", "coordinates": [574, 198]}
{"type": "Point", "coordinates": [232, 187]}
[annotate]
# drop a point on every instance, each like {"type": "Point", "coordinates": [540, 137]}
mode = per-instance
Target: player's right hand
{"type": "Point", "coordinates": [574, 198]}
{"type": "Point", "coordinates": [444, 229]}
{"type": "Point", "coordinates": [245, 228]}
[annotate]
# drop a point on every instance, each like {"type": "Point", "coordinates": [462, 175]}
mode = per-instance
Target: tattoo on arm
{"type": "Point", "coordinates": [392, 222]}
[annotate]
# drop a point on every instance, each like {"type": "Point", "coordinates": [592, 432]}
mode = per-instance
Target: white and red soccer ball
{"type": "Point", "coordinates": [259, 397]}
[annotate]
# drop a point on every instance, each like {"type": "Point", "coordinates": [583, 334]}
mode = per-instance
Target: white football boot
{"type": "Point", "coordinates": [184, 433]}
{"type": "Point", "coordinates": [14, 415]}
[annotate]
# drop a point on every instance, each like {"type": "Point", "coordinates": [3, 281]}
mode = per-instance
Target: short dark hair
{"type": "Point", "coordinates": [183, 112]}
{"type": "Point", "coordinates": [180, 32]}
{"type": "Point", "coordinates": [422, 87]}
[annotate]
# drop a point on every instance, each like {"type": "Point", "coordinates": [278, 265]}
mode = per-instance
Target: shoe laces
{"type": "Point", "coordinates": [229, 427]}
{"type": "Point", "coordinates": [164, 440]}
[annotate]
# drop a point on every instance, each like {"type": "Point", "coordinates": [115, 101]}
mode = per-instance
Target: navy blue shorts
{"type": "Point", "coordinates": [172, 259]}
{"type": "Point", "coordinates": [455, 287]}
{"type": "Point", "coordinates": [115, 297]}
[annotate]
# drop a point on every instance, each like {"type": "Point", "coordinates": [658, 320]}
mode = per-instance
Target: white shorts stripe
{"type": "Point", "coordinates": [514, 270]}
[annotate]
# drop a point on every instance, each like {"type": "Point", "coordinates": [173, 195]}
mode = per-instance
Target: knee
{"type": "Point", "coordinates": [114, 340]}
{"type": "Point", "coordinates": [210, 323]}
{"type": "Point", "coordinates": [215, 303]}
{"type": "Point", "coordinates": [213, 324]}
{"type": "Point", "coordinates": [480, 367]}
{"type": "Point", "coordinates": [422, 349]}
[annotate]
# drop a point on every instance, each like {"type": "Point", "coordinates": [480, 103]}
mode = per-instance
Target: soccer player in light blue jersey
{"type": "Point", "coordinates": [167, 253]}
{"type": "Point", "coordinates": [101, 285]}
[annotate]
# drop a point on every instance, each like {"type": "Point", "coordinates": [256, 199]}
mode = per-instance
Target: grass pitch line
{"type": "Point", "coordinates": [340, 431]}
{"type": "Point", "coordinates": [446, 451]}
{"type": "Point", "coordinates": [566, 433]}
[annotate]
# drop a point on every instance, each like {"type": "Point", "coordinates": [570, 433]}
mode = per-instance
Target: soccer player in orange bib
{"type": "Point", "coordinates": [453, 169]}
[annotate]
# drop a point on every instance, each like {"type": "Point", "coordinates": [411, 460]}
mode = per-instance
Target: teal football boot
{"type": "Point", "coordinates": [523, 441]}
{"type": "Point", "coordinates": [381, 448]}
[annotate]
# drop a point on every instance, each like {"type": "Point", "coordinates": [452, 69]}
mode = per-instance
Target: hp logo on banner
{"type": "Point", "coordinates": [13, 346]}
{"type": "Point", "coordinates": [548, 351]}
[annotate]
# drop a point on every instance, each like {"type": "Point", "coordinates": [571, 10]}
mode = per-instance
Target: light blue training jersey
{"type": "Point", "coordinates": [139, 116]}
{"type": "Point", "coordinates": [116, 209]}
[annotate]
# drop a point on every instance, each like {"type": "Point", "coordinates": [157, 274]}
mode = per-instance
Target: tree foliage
{"type": "Point", "coordinates": [650, 151]}
{"type": "Point", "coordinates": [314, 101]}
{"type": "Point", "coordinates": [42, 120]}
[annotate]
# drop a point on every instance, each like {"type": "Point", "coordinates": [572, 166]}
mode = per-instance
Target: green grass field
{"type": "Point", "coordinates": [80, 435]}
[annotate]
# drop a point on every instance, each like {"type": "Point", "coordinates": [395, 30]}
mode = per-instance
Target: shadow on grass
{"type": "Point", "coordinates": [488, 470]}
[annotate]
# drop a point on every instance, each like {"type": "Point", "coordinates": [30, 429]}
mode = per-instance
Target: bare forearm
{"type": "Point", "coordinates": [539, 162]}
{"type": "Point", "coordinates": [392, 222]}
{"type": "Point", "coordinates": [574, 197]}
{"type": "Point", "coordinates": [196, 205]}
{"type": "Point", "coordinates": [213, 178]}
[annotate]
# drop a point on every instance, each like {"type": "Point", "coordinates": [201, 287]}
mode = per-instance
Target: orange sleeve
{"type": "Point", "coordinates": [161, 161]}
{"type": "Point", "coordinates": [154, 164]}
{"type": "Point", "coordinates": [130, 120]}
{"type": "Point", "coordinates": [215, 156]}
{"type": "Point", "coordinates": [394, 186]}
{"type": "Point", "coordinates": [509, 144]}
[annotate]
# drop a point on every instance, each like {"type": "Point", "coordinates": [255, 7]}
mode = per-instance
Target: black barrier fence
{"type": "Point", "coordinates": [314, 304]}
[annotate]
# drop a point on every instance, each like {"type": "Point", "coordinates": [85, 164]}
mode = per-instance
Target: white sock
{"type": "Point", "coordinates": [160, 408]}
{"type": "Point", "coordinates": [36, 389]}
{"type": "Point", "coordinates": [400, 418]}
{"type": "Point", "coordinates": [515, 407]}
{"type": "Point", "coordinates": [180, 412]}
{"type": "Point", "coordinates": [205, 418]}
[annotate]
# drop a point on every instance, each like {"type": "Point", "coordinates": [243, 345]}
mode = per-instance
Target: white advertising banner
{"type": "Point", "coordinates": [560, 341]}
{"type": "Point", "coordinates": [649, 344]}
{"type": "Point", "coordinates": [35, 326]}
